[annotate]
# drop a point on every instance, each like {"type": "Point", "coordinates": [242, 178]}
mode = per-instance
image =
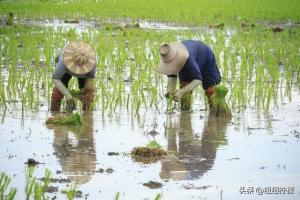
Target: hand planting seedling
{"type": "Point", "coordinates": [219, 107]}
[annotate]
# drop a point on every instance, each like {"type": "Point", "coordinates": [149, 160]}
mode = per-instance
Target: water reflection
{"type": "Point", "coordinates": [194, 153]}
{"type": "Point", "coordinates": [75, 149]}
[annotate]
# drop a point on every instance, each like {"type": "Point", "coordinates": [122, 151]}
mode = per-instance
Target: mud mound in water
{"type": "Point", "coordinates": [31, 162]}
{"type": "Point", "coordinates": [148, 152]}
{"type": "Point", "coordinates": [153, 184]}
{"type": "Point", "coordinates": [147, 155]}
{"type": "Point", "coordinates": [277, 29]}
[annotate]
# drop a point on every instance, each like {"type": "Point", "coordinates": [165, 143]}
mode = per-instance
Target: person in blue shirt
{"type": "Point", "coordinates": [194, 64]}
{"type": "Point", "coordinates": [77, 59]}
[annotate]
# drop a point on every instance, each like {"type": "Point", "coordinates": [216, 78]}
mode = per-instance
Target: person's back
{"type": "Point", "coordinates": [201, 64]}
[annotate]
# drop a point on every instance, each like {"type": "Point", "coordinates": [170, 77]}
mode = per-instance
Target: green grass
{"type": "Point", "coordinates": [154, 144]}
{"type": "Point", "coordinates": [185, 12]}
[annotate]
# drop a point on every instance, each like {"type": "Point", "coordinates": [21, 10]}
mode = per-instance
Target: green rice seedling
{"type": "Point", "coordinates": [219, 106]}
{"type": "Point", "coordinates": [4, 183]}
{"type": "Point", "coordinates": [35, 188]}
{"type": "Point", "coordinates": [2, 95]}
{"type": "Point", "coordinates": [154, 144]}
{"type": "Point", "coordinates": [30, 182]}
{"type": "Point", "coordinates": [186, 101]}
{"type": "Point", "coordinates": [154, 93]}
{"type": "Point", "coordinates": [170, 103]}
{"type": "Point", "coordinates": [71, 192]}
{"type": "Point", "coordinates": [158, 197]}
{"type": "Point", "coordinates": [47, 180]}
{"type": "Point", "coordinates": [70, 120]}
{"type": "Point", "coordinates": [75, 92]}
{"type": "Point", "coordinates": [117, 196]}
{"type": "Point", "coordinates": [10, 19]}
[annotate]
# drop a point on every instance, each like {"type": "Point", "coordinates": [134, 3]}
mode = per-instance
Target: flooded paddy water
{"type": "Point", "coordinates": [254, 155]}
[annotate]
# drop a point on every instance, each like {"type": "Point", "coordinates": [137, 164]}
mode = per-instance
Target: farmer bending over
{"type": "Point", "coordinates": [194, 63]}
{"type": "Point", "coordinates": [76, 59]}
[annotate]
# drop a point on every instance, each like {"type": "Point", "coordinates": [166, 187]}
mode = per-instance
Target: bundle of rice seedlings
{"type": "Point", "coordinates": [219, 106]}
{"type": "Point", "coordinates": [72, 120]}
{"type": "Point", "coordinates": [75, 93]}
{"type": "Point", "coordinates": [186, 101]}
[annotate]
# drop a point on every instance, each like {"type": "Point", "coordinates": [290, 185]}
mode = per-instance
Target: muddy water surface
{"type": "Point", "coordinates": [207, 158]}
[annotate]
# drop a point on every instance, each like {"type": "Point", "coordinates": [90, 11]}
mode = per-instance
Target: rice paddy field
{"type": "Point", "coordinates": [253, 155]}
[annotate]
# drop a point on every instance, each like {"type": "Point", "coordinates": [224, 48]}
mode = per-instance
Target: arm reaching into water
{"type": "Point", "coordinates": [188, 88]}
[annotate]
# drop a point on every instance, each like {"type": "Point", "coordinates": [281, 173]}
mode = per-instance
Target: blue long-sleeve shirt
{"type": "Point", "coordinates": [200, 65]}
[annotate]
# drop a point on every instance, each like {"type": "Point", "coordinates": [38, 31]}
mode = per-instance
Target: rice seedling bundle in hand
{"type": "Point", "coordinates": [75, 93]}
{"type": "Point", "coordinates": [219, 106]}
{"type": "Point", "coordinates": [72, 120]}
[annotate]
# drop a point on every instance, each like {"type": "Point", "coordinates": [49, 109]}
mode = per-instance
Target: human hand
{"type": "Point", "coordinates": [83, 91]}
{"type": "Point", "coordinates": [70, 105]}
{"type": "Point", "coordinates": [168, 95]}
{"type": "Point", "coordinates": [177, 95]}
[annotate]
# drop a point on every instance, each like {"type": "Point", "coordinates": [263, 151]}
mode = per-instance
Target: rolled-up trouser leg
{"type": "Point", "coordinates": [186, 99]}
{"type": "Point", "coordinates": [209, 92]}
{"type": "Point", "coordinates": [57, 95]}
{"type": "Point", "coordinates": [56, 100]}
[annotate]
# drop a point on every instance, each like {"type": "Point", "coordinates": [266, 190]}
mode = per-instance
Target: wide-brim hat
{"type": "Point", "coordinates": [79, 57]}
{"type": "Point", "coordinates": [173, 56]}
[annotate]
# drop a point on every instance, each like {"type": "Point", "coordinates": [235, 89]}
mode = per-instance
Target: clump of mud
{"type": "Point", "coordinates": [31, 162]}
{"type": "Point", "coordinates": [153, 185]}
{"type": "Point", "coordinates": [277, 29]}
{"type": "Point", "coordinates": [57, 180]}
{"type": "Point", "coordinates": [147, 155]}
{"type": "Point", "coordinates": [52, 189]}
{"type": "Point", "coordinates": [101, 170]}
{"type": "Point", "coordinates": [217, 26]}
{"type": "Point", "coordinates": [113, 153]}
{"type": "Point", "coordinates": [148, 152]}
{"type": "Point", "coordinates": [71, 21]}
{"type": "Point", "coordinates": [78, 194]}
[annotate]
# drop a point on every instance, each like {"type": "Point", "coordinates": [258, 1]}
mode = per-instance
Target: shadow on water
{"type": "Point", "coordinates": [75, 149]}
{"type": "Point", "coordinates": [194, 153]}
